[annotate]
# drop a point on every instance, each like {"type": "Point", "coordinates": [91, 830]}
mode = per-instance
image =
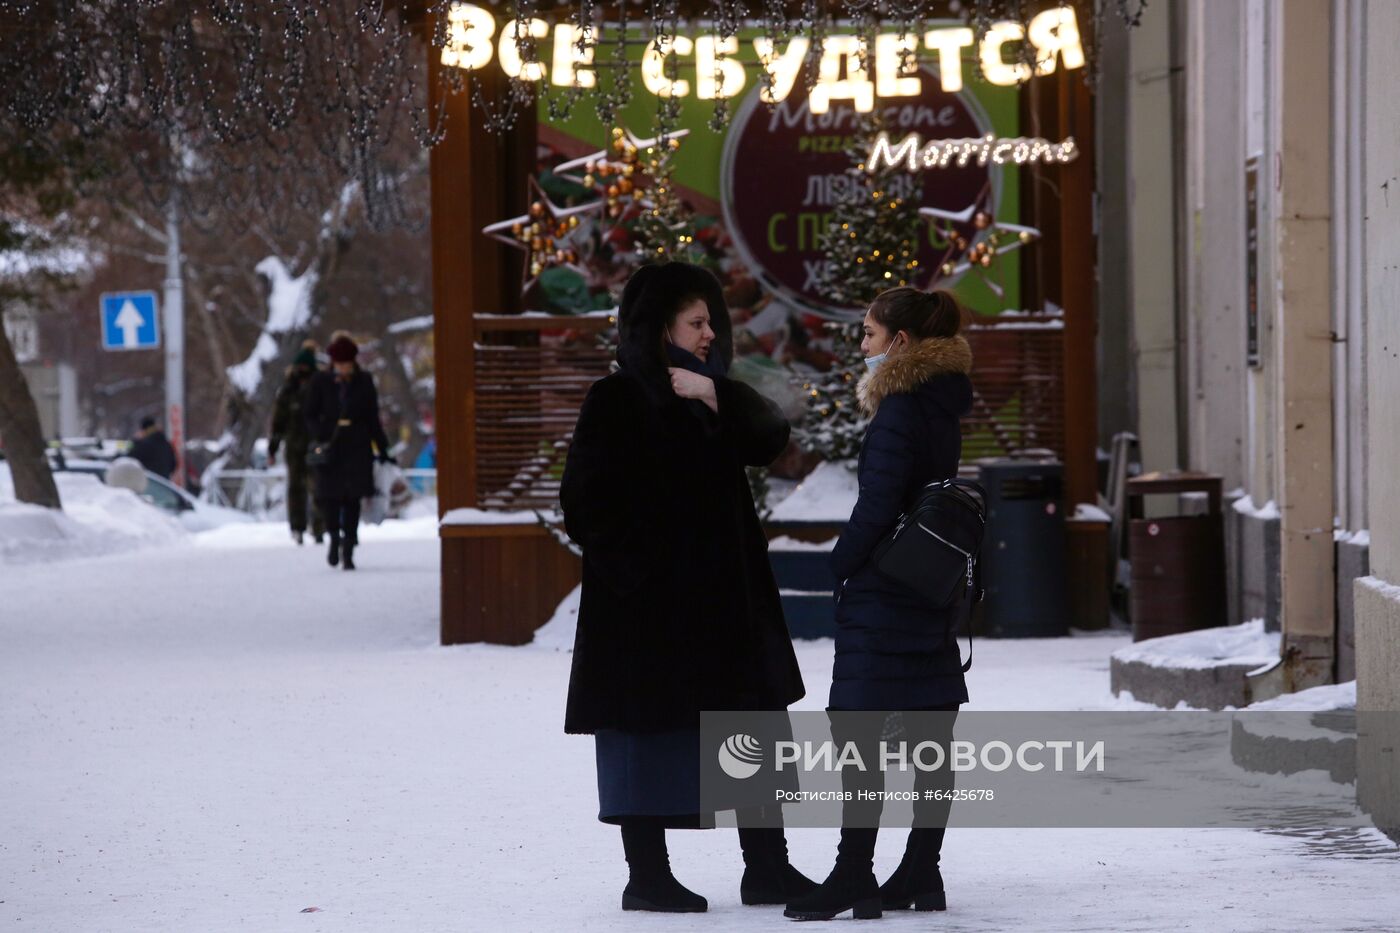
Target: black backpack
{"type": "Point", "coordinates": [934, 548]}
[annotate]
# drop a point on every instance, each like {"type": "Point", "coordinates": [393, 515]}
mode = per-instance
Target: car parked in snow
{"type": "Point", "coordinates": [163, 494]}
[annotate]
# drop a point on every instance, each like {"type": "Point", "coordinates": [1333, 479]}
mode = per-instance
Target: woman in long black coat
{"type": "Point", "coordinates": [893, 651]}
{"type": "Point", "coordinates": [341, 408]}
{"type": "Point", "coordinates": [679, 611]}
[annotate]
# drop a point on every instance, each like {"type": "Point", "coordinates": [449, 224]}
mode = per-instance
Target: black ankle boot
{"type": "Point", "coordinates": [917, 882]}
{"type": "Point", "coordinates": [651, 886]}
{"type": "Point", "coordinates": [347, 559]}
{"type": "Point", "coordinates": [850, 886]}
{"type": "Point", "coordinates": [769, 877]}
{"type": "Point", "coordinates": [333, 558]}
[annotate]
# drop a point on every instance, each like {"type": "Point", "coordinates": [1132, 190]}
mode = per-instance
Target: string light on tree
{"type": "Point", "coordinates": [871, 242]}
{"type": "Point", "coordinates": [619, 173]}
{"type": "Point", "coordinates": [833, 424]}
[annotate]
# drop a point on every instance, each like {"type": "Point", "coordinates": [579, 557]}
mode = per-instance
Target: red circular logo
{"type": "Point", "coordinates": [785, 168]}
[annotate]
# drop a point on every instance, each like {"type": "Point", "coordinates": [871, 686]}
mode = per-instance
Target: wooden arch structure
{"type": "Point", "coordinates": [508, 387]}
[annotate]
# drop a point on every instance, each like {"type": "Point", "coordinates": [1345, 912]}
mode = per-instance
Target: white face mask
{"type": "Point", "coordinates": [873, 362]}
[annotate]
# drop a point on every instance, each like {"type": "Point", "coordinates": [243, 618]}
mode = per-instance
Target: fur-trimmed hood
{"type": "Point", "coordinates": [914, 366]}
{"type": "Point", "coordinates": [653, 294]}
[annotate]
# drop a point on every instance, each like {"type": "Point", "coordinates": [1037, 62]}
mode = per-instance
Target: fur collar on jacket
{"type": "Point", "coordinates": [911, 368]}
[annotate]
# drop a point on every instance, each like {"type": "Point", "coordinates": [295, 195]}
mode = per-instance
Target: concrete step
{"type": "Point", "coordinates": [809, 614]}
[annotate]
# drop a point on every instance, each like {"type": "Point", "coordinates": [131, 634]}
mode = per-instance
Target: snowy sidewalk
{"type": "Point", "coordinates": [213, 737]}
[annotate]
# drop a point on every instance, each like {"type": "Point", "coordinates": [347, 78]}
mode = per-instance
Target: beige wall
{"type": "Point", "coordinates": [1152, 206]}
{"type": "Point", "coordinates": [1215, 257]}
{"type": "Point", "coordinates": [1303, 343]}
{"type": "Point", "coordinates": [1378, 598]}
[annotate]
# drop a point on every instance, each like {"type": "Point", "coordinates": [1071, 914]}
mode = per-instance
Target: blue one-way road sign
{"type": "Point", "coordinates": [130, 321]}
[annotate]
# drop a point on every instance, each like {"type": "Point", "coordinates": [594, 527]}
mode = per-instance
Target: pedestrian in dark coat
{"type": "Point", "coordinates": [342, 411]}
{"type": "Point", "coordinates": [893, 650]}
{"type": "Point", "coordinates": [153, 450]}
{"type": "Point", "coordinates": [290, 432]}
{"type": "Point", "coordinates": [679, 611]}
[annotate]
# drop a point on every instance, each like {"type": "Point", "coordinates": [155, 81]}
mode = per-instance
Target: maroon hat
{"type": "Point", "coordinates": [342, 350]}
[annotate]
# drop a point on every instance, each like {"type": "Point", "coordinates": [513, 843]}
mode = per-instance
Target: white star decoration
{"type": "Point", "coordinates": [545, 234]}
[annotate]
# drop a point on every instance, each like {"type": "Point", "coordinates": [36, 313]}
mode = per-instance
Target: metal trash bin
{"type": "Point", "coordinates": [1177, 577]}
{"type": "Point", "coordinates": [1023, 551]}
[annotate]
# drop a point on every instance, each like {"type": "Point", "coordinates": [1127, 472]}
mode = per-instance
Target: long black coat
{"type": "Point", "coordinates": [892, 650]}
{"type": "Point", "coordinates": [679, 611]}
{"type": "Point", "coordinates": [349, 473]}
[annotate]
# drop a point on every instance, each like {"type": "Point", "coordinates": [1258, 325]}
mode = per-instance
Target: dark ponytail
{"type": "Point", "coordinates": [919, 313]}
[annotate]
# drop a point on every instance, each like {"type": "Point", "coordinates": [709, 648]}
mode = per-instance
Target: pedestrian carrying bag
{"type": "Point", "coordinates": [933, 549]}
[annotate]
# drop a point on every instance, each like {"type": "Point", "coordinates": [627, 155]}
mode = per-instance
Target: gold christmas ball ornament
{"type": "Point", "coordinates": [981, 221]}
{"type": "Point", "coordinates": [536, 209]}
{"type": "Point", "coordinates": [673, 143]}
{"type": "Point", "coordinates": [589, 181]}
{"type": "Point", "coordinates": [986, 260]}
{"type": "Point", "coordinates": [614, 191]}
{"type": "Point", "coordinates": [1025, 236]}
{"type": "Point", "coordinates": [948, 268]}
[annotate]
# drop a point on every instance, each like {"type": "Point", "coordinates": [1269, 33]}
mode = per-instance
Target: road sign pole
{"type": "Point", "coordinates": [174, 340]}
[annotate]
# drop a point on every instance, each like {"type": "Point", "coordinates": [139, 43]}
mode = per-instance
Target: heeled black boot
{"type": "Point", "coordinates": [769, 877]}
{"type": "Point", "coordinates": [650, 885]}
{"type": "Point", "coordinates": [347, 559]}
{"type": "Point", "coordinates": [333, 557]}
{"type": "Point", "coordinates": [850, 886]}
{"type": "Point", "coordinates": [917, 882]}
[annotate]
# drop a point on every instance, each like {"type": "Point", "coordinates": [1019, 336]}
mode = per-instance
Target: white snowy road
{"type": "Point", "coordinates": [208, 738]}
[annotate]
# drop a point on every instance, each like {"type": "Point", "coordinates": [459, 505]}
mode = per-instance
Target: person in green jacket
{"type": "Point", "coordinates": [289, 428]}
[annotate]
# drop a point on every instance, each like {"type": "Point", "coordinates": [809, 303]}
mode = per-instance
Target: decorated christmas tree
{"type": "Point", "coordinates": [872, 241]}
{"type": "Point", "coordinates": [665, 228]}
{"type": "Point", "coordinates": [834, 425]}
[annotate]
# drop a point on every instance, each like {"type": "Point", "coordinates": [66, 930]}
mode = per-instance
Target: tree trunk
{"type": "Point", "coordinates": [24, 439]}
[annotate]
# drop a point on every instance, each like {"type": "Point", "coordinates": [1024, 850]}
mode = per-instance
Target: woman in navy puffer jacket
{"type": "Point", "coordinates": [893, 650]}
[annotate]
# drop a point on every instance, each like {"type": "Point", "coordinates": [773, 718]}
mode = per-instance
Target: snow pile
{"type": "Point", "coordinates": [785, 543]}
{"type": "Point", "coordinates": [288, 309]}
{"type": "Point", "coordinates": [96, 519]}
{"type": "Point", "coordinates": [1084, 512]}
{"type": "Point", "coordinates": [493, 517]}
{"type": "Point", "coordinates": [1245, 644]}
{"type": "Point", "coordinates": [558, 633]}
{"type": "Point", "coordinates": [828, 494]}
{"type": "Point", "coordinates": [1246, 506]}
{"type": "Point", "coordinates": [1360, 538]}
{"type": "Point", "coordinates": [1318, 699]}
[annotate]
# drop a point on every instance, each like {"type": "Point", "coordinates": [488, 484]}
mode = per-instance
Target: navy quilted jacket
{"type": "Point", "coordinates": [892, 650]}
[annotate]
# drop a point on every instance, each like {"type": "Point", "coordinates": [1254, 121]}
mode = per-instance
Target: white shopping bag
{"type": "Point", "coordinates": [391, 494]}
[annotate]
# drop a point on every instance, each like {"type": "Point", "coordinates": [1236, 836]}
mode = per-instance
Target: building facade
{"type": "Point", "coordinates": [1254, 277]}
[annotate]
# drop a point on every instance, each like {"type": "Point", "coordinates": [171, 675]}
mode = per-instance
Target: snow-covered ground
{"type": "Point", "coordinates": [218, 737]}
